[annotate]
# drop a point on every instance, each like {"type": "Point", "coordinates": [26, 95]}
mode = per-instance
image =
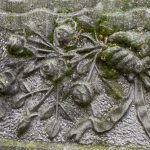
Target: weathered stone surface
{"type": "Point", "coordinates": [75, 72]}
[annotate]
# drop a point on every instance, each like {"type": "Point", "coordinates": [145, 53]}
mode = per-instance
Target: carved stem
{"type": "Point", "coordinates": [84, 56]}
{"type": "Point", "coordinates": [92, 68]}
{"type": "Point", "coordinates": [36, 107]}
{"type": "Point", "coordinates": [47, 43]}
{"type": "Point", "coordinates": [22, 100]}
{"type": "Point", "coordinates": [33, 49]}
{"type": "Point", "coordinates": [57, 101]}
{"type": "Point", "coordinates": [73, 52]}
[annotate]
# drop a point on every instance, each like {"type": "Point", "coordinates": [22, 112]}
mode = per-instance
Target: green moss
{"type": "Point", "coordinates": [79, 28]}
{"type": "Point", "coordinates": [106, 58]}
{"type": "Point", "coordinates": [69, 48]}
{"type": "Point", "coordinates": [45, 146]}
{"type": "Point", "coordinates": [109, 76]}
{"type": "Point", "coordinates": [18, 144]}
{"type": "Point", "coordinates": [109, 45]}
{"type": "Point", "coordinates": [106, 25]}
{"type": "Point", "coordinates": [109, 73]}
{"type": "Point", "coordinates": [65, 10]}
{"type": "Point", "coordinates": [25, 54]}
{"type": "Point", "coordinates": [128, 40]}
{"type": "Point", "coordinates": [85, 28]}
{"type": "Point", "coordinates": [125, 5]}
{"type": "Point", "coordinates": [114, 89]}
{"type": "Point", "coordinates": [8, 143]}
{"type": "Point", "coordinates": [51, 38]}
{"type": "Point", "coordinates": [102, 26]}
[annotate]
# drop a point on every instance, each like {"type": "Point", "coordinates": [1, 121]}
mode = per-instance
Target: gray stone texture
{"type": "Point", "coordinates": [125, 15]}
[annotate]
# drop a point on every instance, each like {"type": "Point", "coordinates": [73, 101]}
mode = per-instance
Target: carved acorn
{"type": "Point", "coordinates": [8, 84]}
{"type": "Point", "coordinates": [53, 128]}
{"type": "Point", "coordinates": [24, 124]}
{"type": "Point", "coordinates": [64, 34]}
{"type": "Point", "coordinates": [53, 68]}
{"type": "Point", "coordinates": [123, 59]}
{"type": "Point", "coordinates": [16, 44]}
{"type": "Point", "coordinates": [83, 93]}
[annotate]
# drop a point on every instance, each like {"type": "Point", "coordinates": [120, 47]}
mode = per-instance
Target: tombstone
{"type": "Point", "coordinates": [74, 74]}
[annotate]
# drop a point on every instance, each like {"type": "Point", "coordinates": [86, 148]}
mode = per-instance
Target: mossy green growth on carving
{"type": "Point", "coordinates": [124, 21]}
{"type": "Point", "coordinates": [109, 76]}
{"type": "Point", "coordinates": [24, 54]}
{"type": "Point", "coordinates": [85, 28]}
{"type": "Point", "coordinates": [130, 38]}
{"type": "Point", "coordinates": [64, 10]}
{"type": "Point", "coordinates": [109, 72]}
{"type": "Point", "coordinates": [106, 58]}
{"type": "Point", "coordinates": [102, 26]}
{"type": "Point", "coordinates": [114, 89]}
{"type": "Point", "coordinates": [106, 26]}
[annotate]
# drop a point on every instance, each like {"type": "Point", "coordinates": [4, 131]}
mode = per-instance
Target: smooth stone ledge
{"type": "Point", "coordinates": [20, 145]}
{"type": "Point", "coordinates": [15, 21]}
{"type": "Point", "coordinates": [21, 6]}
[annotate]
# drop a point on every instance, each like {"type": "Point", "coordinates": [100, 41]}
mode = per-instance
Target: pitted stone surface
{"type": "Point", "coordinates": [90, 53]}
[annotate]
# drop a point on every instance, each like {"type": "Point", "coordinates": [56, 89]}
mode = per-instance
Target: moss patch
{"type": "Point", "coordinates": [45, 146]}
{"type": "Point", "coordinates": [65, 10]}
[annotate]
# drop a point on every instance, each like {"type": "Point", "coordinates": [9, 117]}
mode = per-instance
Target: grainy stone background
{"type": "Point", "coordinates": [128, 132]}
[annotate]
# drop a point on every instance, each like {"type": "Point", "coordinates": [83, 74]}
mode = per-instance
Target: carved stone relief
{"type": "Point", "coordinates": [71, 73]}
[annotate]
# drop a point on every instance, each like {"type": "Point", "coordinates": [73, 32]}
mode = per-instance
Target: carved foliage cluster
{"type": "Point", "coordinates": [67, 61]}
